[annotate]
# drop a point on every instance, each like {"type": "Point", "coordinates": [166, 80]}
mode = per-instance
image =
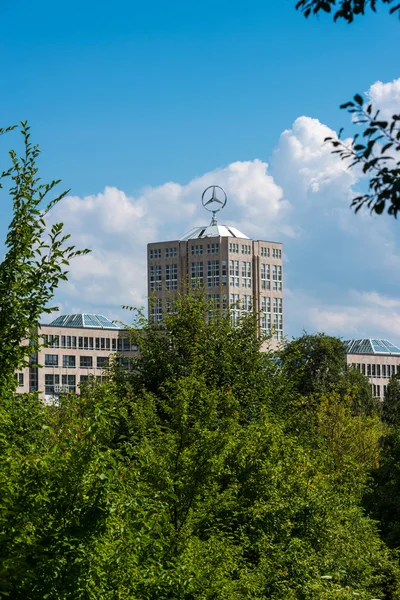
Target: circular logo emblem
{"type": "Point", "coordinates": [214, 198]}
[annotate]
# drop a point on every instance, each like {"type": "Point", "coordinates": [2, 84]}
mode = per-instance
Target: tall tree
{"type": "Point", "coordinates": [35, 262]}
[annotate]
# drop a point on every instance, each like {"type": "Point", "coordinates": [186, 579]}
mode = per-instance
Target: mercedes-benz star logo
{"type": "Point", "coordinates": [215, 203]}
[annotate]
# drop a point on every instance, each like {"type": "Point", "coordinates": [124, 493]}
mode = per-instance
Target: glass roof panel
{"type": "Point", "coordinates": [84, 320]}
{"type": "Point", "coordinates": [371, 346]}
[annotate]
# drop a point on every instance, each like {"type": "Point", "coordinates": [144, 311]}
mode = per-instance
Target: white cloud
{"type": "Point", "coordinates": [302, 198]}
{"type": "Point", "coordinates": [117, 228]}
{"type": "Point", "coordinates": [386, 96]}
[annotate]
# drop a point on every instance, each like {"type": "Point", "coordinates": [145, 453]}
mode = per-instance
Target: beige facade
{"type": "Point", "coordinates": [377, 359]}
{"type": "Point", "coordinates": [236, 272]}
{"type": "Point", "coordinates": [70, 355]}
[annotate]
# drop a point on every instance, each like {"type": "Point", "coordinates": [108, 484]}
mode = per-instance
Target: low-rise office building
{"type": "Point", "coordinates": [75, 347]}
{"type": "Point", "coordinates": [377, 359]}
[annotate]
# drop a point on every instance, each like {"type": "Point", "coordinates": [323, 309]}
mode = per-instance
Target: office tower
{"type": "Point", "coordinates": [236, 271]}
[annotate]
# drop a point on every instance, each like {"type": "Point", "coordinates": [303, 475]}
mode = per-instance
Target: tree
{"type": "Point", "coordinates": [180, 479]}
{"type": "Point", "coordinates": [391, 402]}
{"type": "Point", "coordinates": [377, 149]}
{"type": "Point", "coordinates": [317, 361]}
{"type": "Point", "coordinates": [34, 264]}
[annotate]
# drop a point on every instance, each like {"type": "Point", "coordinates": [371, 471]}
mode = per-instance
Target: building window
{"type": "Point", "coordinates": [378, 370]}
{"type": "Point", "coordinates": [363, 368]}
{"type": "Point", "coordinates": [197, 249]}
{"type": "Point", "coordinates": [377, 391]}
{"type": "Point", "coordinates": [278, 319]}
{"type": "Point", "coordinates": [68, 362]}
{"type": "Point", "coordinates": [213, 248]}
{"type": "Point", "coordinates": [156, 310]}
{"type": "Point", "coordinates": [276, 253]}
{"type": "Point", "coordinates": [86, 362]}
{"type": "Point", "coordinates": [114, 344]}
{"type": "Point", "coordinates": [102, 362]}
{"type": "Point", "coordinates": [155, 253]}
{"type": "Point", "coordinates": [171, 252]}
{"type": "Point", "coordinates": [373, 371]}
{"type": "Point", "coordinates": [51, 360]}
{"type": "Point", "coordinates": [223, 272]}
{"type": "Point", "coordinates": [384, 390]}
{"type": "Point", "coordinates": [197, 274]}
{"type": "Point", "coordinates": [277, 277]}
{"type": "Point", "coordinates": [155, 278]}
{"type": "Point", "coordinates": [50, 380]}
{"type": "Point", "coordinates": [246, 249]}
{"type": "Point", "coordinates": [264, 252]}
{"type": "Point", "coordinates": [369, 370]}
{"type": "Point", "coordinates": [265, 277]}
{"type": "Point", "coordinates": [246, 274]}
{"type": "Point", "coordinates": [234, 308]}
{"type": "Point", "coordinates": [70, 381]}
{"type": "Point", "coordinates": [53, 341]}
{"type": "Point", "coordinates": [19, 378]}
{"type": "Point", "coordinates": [265, 315]}
{"type": "Point", "coordinates": [234, 248]}
{"type": "Point", "coordinates": [171, 277]}
{"type": "Point", "coordinates": [234, 273]}
{"type": "Point", "coordinates": [246, 303]}
{"type": "Point", "coordinates": [213, 273]}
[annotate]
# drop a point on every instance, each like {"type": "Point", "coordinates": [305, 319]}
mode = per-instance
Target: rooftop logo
{"type": "Point", "coordinates": [214, 199]}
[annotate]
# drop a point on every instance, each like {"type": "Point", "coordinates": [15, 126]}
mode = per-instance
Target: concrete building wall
{"type": "Point", "coordinates": [71, 356]}
{"type": "Point", "coordinates": [240, 273]}
{"type": "Point", "coordinates": [377, 367]}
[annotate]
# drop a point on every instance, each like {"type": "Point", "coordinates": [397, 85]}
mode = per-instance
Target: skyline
{"type": "Point", "coordinates": [139, 108]}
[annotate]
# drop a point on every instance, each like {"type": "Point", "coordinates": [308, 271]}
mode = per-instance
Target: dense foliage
{"type": "Point", "coordinates": [205, 471]}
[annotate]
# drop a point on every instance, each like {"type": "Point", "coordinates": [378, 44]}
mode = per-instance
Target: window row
{"type": "Point", "coordinates": [88, 343]}
{"type": "Point", "coordinates": [69, 362]}
{"type": "Point", "coordinates": [266, 277]}
{"type": "Point", "coordinates": [234, 269]}
{"type": "Point", "coordinates": [276, 252]}
{"type": "Point", "coordinates": [54, 384]}
{"type": "Point", "coordinates": [377, 370]}
{"type": "Point", "coordinates": [169, 253]}
{"type": "Point", "coordinates": [272, 320]}
{"type": "Point", "coordinates": [155, 253]}
{"type": "Point", "coordinates": [156, 277]}
{"type": "Point", "coordinates": [197, 249]}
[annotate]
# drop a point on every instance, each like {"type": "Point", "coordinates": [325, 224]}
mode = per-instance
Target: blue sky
{"type": "Point", "coordinates": [128, 96]}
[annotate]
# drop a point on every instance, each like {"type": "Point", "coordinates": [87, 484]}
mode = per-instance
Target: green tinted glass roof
{"type": "Point", "coordinates": [84, 320]}
{"type": "Point", "coordinates": [371, 346]}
